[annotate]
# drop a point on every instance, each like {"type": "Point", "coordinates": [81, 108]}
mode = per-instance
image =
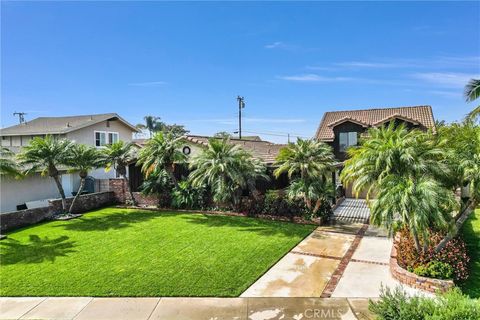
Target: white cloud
{"type": "Point", "coordinates": [147, 84]}
{"type": "Point", "coordinates": [447, 94]}
{"type": "Point", "coordinates": [446, 79]}
{"type": "Point", "coordinates": [311, 77]}
{"type": "Point", "coordinates": [365, 64]}
{"type": "Point", "coordinates": [274, 45]}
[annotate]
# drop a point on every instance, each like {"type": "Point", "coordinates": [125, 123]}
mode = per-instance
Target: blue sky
{"type": "Point", "coordinates": [187, 62]}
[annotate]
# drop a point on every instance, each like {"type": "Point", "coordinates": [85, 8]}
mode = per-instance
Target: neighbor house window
{"type": "Point", "coordinates": [112, 137]}
{"type": "Point", "coordinates": [100, 139]}
{"type": "Point", "coordinates": [347, 139]}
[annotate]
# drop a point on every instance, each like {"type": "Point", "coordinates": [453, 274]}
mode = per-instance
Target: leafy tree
{"type": "Point", "coordinates": [152, 124]}
{"type": "Point", "coordinates": [162, 152]}
{"type": "Point", "coordinates": [82, 159]}
{"type": "Point", "coordinates": [403, 168]}
{"type": "Point", "coordinates": [46, 154]}
{"type": "Point", "coordinates": [226, 169]}
{"type": "Point", "coordinates": [463, 145]}
{"type": "Point", "coordinates": [308, 164]}
{"type": "Point", "coordinates": [175, 129]}
{"type": "Point", "coordinates": [8, 165]}
{"type": "Point", "coordinates": [472, 93]}
{"type": "Point", "coordinates": [223, 135]}
{"type": "Point", "coordinates": [118, 156]}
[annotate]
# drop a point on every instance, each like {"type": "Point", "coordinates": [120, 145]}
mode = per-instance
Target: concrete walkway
{"type": "Point", "coordinates": [183, 308]}
{"type": "Point", "coordinates": [346, 259]}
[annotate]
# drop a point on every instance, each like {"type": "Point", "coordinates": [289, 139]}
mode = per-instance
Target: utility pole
{"type": "Point", "coordinates": [241, 105]}
{"type": "Point", "coordinates": [21, 116]}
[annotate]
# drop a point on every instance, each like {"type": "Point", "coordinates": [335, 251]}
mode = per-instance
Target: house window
{"type": "Point", "coordinates": [112, 137]}
{"type": "Point", "coordinates": [348, 139]}
{"type": "Point", "coordinates": [100, 138]}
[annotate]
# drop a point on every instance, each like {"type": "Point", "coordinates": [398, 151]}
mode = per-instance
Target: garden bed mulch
{"type": "Point", "coordinates": [298, 220]}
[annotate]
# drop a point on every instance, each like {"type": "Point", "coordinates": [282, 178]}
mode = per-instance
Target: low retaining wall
{"type": "Point", "coordinates": [412, 280]}
{"type": "Point", "coordinates": [121, 194]}
{"type": "Point", "coordinates": [17, 219]}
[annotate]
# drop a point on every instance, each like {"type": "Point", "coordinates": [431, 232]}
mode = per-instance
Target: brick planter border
{"type": "Point", "coordinates": [412, 280]}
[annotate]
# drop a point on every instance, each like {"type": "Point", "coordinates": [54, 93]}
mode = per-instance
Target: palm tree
{"type": "Point", "coordinates": [403, 168]}
{"type": "Point", "coordinates": [472, 93]}
{"type": "Point", "coordinates": [8, 166]}
{"type": "Point", "coordinates": [308, 164]}
{"type": "Point", "coordinates": [46, 154]}
{"type": "Point", "coordinates": [226, 169]}
{"type": "Point", "coordinates": [118, 156]}
{"type": "Point", "coordinates": [152, 124]}
{"type": "Point", "coordinates": [162, 152]}
{"type": "Point", "coordinates": [82, 159]}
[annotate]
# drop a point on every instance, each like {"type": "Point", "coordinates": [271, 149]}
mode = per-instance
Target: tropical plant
{"type": "Point", "coordinates": [162, 152]}
{"type": "Point", "coordinates": [46, 155]}
{"type": "Point", "coordinates": [82, 159]}
{"type": "Point", "coordinates": [158, 183]}
{"type": "Point", "coordinates": [118, 156]}
{"type": "Point", "coordinates": [226, 169]}
{"type": "Point", "coordinates": [185, 196]}
{"type": "Point", "coordinates": [463, 143]}
{"type": "Point", "coordinates": [8, 165]}
{"type": "Point", "coordinates": [402, 167]}
{"type": "Point", "coordinates": [152, 124]}
{"type": "Point", "coordinates": [308, 163]}
{"type": "Point", "coordinates": [472, 93]}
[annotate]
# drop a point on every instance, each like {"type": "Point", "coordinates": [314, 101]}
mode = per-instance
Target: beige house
{"type": "Point", "coordinates": [95, 130]}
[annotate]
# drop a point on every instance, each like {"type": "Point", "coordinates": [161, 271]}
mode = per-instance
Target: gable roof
{"type": "Point", "coordinates": [419, 115]}
{"type": "Point", "coordinates": [264, 151]}
{"type": "Point", "coordinates": [61, 125]}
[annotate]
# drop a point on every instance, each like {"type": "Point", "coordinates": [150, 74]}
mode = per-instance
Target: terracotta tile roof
{"type": "Point", "coordinates": [421, 115]}
{"type": "Point", "coordinates": [264, 151]}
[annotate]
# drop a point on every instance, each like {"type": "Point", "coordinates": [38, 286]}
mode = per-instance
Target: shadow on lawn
{"type": "Point", "coordinates": [261, 227]}
{"type": "Point", "coordinates": [117, 220]}
{"type": "Point", "coordinates": [37, 250]}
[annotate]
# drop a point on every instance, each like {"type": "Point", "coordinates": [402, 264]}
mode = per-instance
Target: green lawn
{"type": "Point", "coordinates": [121, 252]}
{"type": "Point", "coordinates": [471, 235]}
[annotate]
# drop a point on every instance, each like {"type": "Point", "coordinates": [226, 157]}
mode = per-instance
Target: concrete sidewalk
{"type": "Point", "coordinates": [183, 308]}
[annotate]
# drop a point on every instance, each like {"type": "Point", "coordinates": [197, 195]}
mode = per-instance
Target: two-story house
{"type": "Point", "coordinates": [95, 130]}
{"type": "Point", "coordinates": [343, 129]}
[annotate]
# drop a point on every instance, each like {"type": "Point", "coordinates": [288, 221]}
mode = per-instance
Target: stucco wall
{"type": "Point", "coordinates": [87, 135]}
{"type": "Point", "coordinates": [14, 192]}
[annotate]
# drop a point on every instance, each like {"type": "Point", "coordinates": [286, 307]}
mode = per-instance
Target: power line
{"type": "Point", "coordinates": [278, 134]}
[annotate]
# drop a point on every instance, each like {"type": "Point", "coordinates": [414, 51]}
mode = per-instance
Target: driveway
{"type": "Point", "coordinates": [346, 259]}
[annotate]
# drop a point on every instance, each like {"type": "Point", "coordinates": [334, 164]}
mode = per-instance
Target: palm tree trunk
{"type": "Point", "coordinates": [80, 189]}
{"type": "Point", "coordinates": [317, 206]}
{"type": "Point", "coordinates": [462, 217]}
{"type": "Point", "coordinates": [171, 173]}
{"type": "Point", "coordinates": [56, 178]}
{"type": "Point", "coordinates": [415, 239]}
{"type": "Point", "coordinates": [127, 183]}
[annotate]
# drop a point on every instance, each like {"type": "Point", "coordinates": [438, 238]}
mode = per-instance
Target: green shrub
{"type": "Point", "coordinates": [435, 269]}
{"type": "Point", "coordinates": [277, 204]}
{"type": "Point", "coordinates": [397, 305]}
{"type": "Point", "coordinates": [187, 197]}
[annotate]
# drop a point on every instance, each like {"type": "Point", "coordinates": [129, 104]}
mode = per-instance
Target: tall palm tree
{"type": "Point", "coordinates": [8, 165]}
{"type": "Point", "coordinates": [162, 152]}
{"type": "Point", "coordinates": [403, 168]}
{"type": "Point", "coordinates": [152, 124]}
{"type": "Point", "coordinates": [308, 164]}
{"type": "Point", "coordinates": [472, 93]}
{"type": "Point", "coordinates": [226, 169]}
{"type": "Point", "coordinates": [46, 154]}
{"type": "Point", "coordinates": [82, 159]}
{"type": "Point", "coordinates": [118, 156]}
